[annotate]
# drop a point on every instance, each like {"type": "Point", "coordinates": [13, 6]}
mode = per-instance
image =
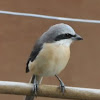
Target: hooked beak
{"type": "Point", "coordinates": [77, 37]}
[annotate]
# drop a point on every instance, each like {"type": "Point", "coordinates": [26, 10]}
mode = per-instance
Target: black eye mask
{"type": "Point", "coordinates": [64, 36]}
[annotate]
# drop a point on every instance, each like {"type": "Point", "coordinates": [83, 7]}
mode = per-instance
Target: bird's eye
{"type": "Point", "coordinates": [68, 35]}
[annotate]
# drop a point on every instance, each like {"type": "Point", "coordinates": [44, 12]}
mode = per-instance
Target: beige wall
{"type": "Point", "coordinates": [18, 34]}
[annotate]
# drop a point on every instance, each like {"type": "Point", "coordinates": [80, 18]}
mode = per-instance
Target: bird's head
{"type": "Point", "coordinates": [61, 34]}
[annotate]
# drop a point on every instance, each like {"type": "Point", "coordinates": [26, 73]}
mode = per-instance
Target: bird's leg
{"type": "Point", "coordinates": [35, 86]}
{"type": "Point", "coordinates": [62, 86]}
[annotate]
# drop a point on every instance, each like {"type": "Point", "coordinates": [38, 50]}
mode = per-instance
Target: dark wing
{"type": "Point", "coordinates": [33, 55]}
{"type": "Point", "coordinates": [47, 37]}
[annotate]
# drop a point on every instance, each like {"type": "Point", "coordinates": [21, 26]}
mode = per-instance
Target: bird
{"type": "Point", "coordinates": [50, 55]}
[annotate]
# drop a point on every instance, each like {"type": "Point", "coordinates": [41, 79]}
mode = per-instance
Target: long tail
{"type": "Point", "coordinates": [39, 79]}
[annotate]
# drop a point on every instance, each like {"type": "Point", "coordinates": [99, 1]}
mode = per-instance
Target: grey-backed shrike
{"type": "Point", "coordinates": [50, 54]}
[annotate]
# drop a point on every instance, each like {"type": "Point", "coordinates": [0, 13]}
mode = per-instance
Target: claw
{"type": "Point", "coordinates": [62, 86]}
{"type": "Point", "coordinates": [35, 88]}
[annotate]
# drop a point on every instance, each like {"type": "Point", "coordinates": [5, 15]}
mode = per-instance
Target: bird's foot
{"type": "Point", "coordinates": [35, 89]}
{"type": "Point", "coordinates": [62, 87]}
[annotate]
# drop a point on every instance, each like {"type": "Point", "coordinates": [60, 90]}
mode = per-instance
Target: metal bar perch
{"type": "Point", "coordinates": [52, 91]}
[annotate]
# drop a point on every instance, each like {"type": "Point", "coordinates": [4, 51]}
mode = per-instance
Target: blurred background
{"type": "Point", "coordinates": [18, 35]}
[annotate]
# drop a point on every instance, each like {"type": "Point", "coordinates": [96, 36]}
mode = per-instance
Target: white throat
{"type": "Point", "coordinates": [66, 42]}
